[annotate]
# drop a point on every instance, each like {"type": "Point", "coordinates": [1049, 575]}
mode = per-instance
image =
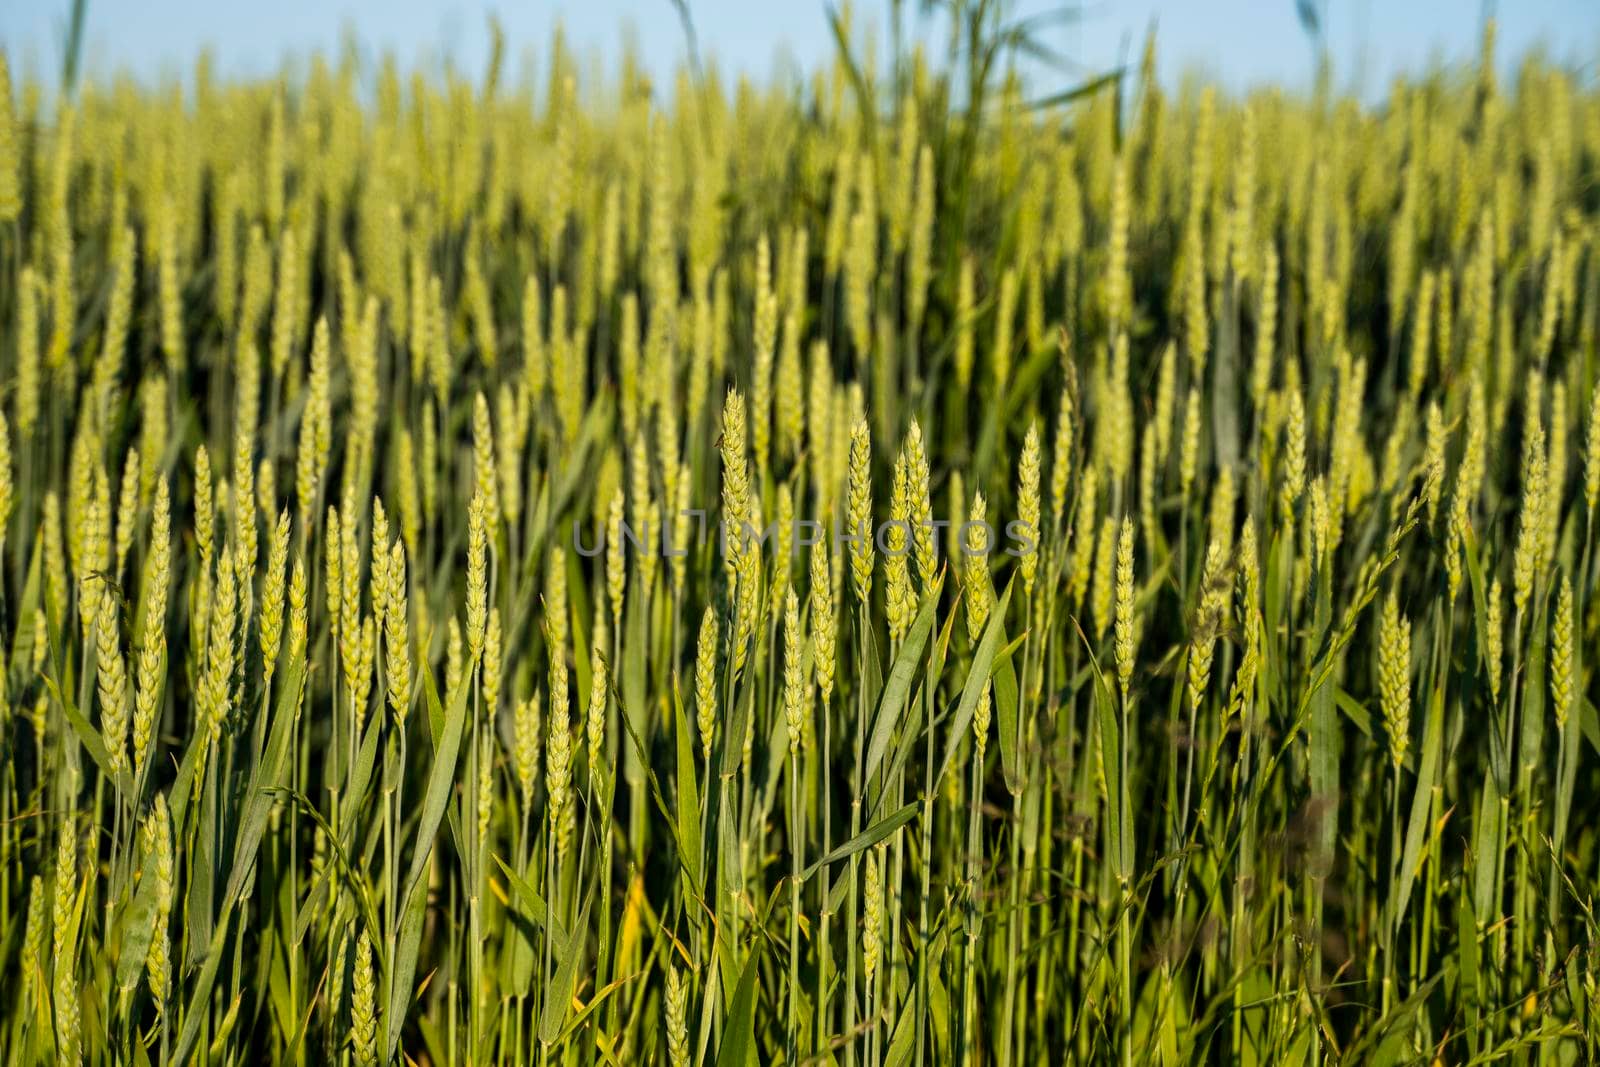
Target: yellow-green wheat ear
{"type": "Point", "coordinates": [1493, 639]}
{"type": "Point", "coordinates": [858, 512]}
{"type": "Point", "coordinates": [1207, 621]}
{"type": "Point", "coordinates": [966, 311]}
{"type": "Point", "coordinates": [921, 506]}
{"type": "Point", "coordinates": [1004, 328]}
{"type": "Point", "coordinates": [558, 751]}
{"type": "Point", "coordinates": [7, 483]}
{"type": "Point", "coordinates": [795, 696]}
{"type": "Point", "coordinates": [872, 923]}
{"type": "Point", "coordinates": [363, 1009]}
{"type": "Point", "coordinates": [28, 355]}
{"type": "Point", "coordinates": [1061, 457]}
{"type": "Point", "coordinates": [1528, 557]}
{"type": "Point", "coordinates": [616, 558]}
{"type": "Point", "coordinates": [676, 1009]}
{"type": "Point", "coordinates": [10, 150]}
{"type": "Point", "coordinates": [1028, 470]}
{"type": "Point", "coordinates": [1189, 450]}
{"type": "Point", "coordinates": [477, 572]}
{"type": "Point", "coordinates": [1125, 636]}
{"type": "Point", "coordinates": [1294, 456]}
{"type": "Point", "coordinates": [705, 682]}
{"type": "Point", "coordinates": [1085, 531]}
{"type": "Point", "coordinates": [1394, 676]}
{"type": "Point", "coordinates": [1563, 661]}
{"type": "Point", "coordinates": [975, 548]}
{"type": "Point", "coordinates": [1118, 285]}
{"type": "Point", "coordinates": [861, 262]}
{"type": "Point", "coordinates": [1102, 596]}
{"type": "Point", "coordinates": [157, 841]}
{"type": "Point", "coordinates": [1591, 464]}
{"type": "Point", "coordinates": [898, 596]}
{"type": "Point", "coordinates": [112, 684]}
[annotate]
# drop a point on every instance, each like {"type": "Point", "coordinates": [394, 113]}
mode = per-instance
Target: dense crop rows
{"type": "Point", "coordinates": [1210, 683]}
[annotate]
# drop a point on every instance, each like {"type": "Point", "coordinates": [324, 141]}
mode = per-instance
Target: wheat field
{"type": "Point", "coordinates": [866, 569]}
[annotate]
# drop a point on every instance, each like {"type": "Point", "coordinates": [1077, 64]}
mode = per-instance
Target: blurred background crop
{"type": "Point", "coordinates": [1239, 43]}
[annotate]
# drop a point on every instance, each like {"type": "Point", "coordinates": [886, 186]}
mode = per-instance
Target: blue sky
{"type": "Point", "coordinates": [1241, 42]}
